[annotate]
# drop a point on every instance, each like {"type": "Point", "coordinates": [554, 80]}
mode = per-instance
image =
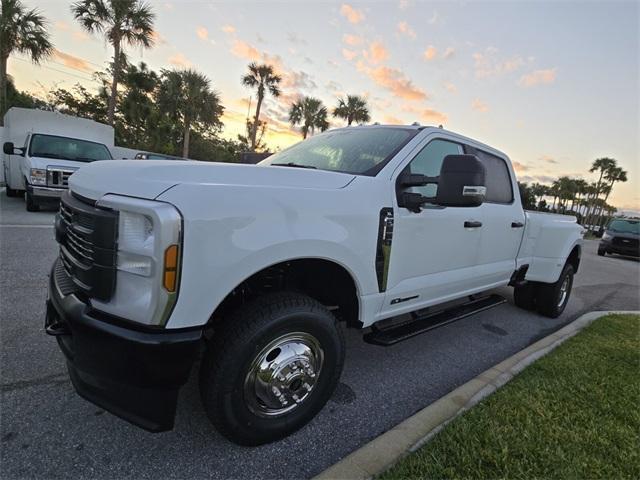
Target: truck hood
{"type": "Point", "coordinates": [148, 178]}
{"type": "Point", "coordinates": [40, 162]}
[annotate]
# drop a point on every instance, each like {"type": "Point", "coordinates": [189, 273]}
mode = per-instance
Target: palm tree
{"type": "Point", "coordinates": [310, 113]}
{"type": "Point", "coordinates": [122, 22]}
{"type": "Point", "coordinates": [603, 165]}
{"type": "Point", "coordinates": [613, 175]}
{"type": "Point", "coordinates": [21, 31]}
{"type": "Point", "coordinates": [353, 109]}
{"type": "Point", "coordinates": [539, 191]}
{"type": "Point", "coordinates": [187, 97]}
{"type": "Point", "coordinates": [264, 79]}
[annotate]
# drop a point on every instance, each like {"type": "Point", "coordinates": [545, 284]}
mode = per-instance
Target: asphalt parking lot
{"type": "Point", "coordinates": [47, 430]}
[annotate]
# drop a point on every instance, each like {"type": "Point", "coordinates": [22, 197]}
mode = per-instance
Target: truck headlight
{"type": "Point", "coordinates": [607, 236]}
{"type": "Point", "coordinates": [148, 260]}
{"type": "Point", "coordinates": [37, 176]}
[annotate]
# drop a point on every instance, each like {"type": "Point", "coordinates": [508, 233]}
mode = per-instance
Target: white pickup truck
{"type": "Point", "coordinates": [253, 267]}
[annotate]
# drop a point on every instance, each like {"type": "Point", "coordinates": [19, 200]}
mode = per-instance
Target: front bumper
{"type": "Point", "coordinates": [134, 374]}
{"type": "Point", "coordinates": [621, 249]}
{"type": "Point", "coordinates": [45, 193]}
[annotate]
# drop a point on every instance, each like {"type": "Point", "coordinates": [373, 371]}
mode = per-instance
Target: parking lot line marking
{"type": "Point", "coordinates": [26, 226]}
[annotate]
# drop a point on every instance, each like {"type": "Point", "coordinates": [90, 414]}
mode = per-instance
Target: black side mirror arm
{"type": "Point", "coordinates": [416, 180]}
{"type": "Point", "coordinates": [412, 201]}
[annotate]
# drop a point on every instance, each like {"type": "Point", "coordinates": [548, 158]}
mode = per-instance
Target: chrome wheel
{"type": "Point", "coordinates": [283, 374]}
{"type": "Point", "coordinates": [564, 291]}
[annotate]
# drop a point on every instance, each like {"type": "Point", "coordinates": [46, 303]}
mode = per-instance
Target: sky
{"type": "Point", "coordinates": [554, 85]}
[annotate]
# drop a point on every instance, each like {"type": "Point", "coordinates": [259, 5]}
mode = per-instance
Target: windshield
{"type": "Point", "coordinates": [51, 146]}
{"type": "Point", "coordinates": [360, 151]}
{"type": "Point", "coordinates": [625, 226]}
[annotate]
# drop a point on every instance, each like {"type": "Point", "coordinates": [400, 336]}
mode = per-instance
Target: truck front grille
{"type": "Point", "coordinates": [87, 237]}
{"type": "Point", "coordinates": [58, 176]}
{"type": "Point", "coordinates": [631, 243]}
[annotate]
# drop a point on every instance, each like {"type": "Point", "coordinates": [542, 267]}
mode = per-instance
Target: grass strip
{"type": "Point", "coordinates": [573, 414]}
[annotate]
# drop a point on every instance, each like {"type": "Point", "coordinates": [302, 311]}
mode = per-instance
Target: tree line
{"type": "Point", "coordinates": [178, 112]}
{"type": "Point", "coordinates": [587, 201]}
{"type": "Point", "coordinates": [171, 111]}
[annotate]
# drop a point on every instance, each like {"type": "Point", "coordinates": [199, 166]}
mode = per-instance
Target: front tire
{"type": "Point", "coordinates": [32, 204]}
{"type": "Point", "coordinates": [552, 298]}
{"type": "Point", "coordinates": [271, 367]}
{"type": "Point", "coordinates": [601, 252]}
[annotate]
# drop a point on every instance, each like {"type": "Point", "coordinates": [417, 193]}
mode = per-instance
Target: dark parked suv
{"type": "Point", "coordinates": [622, 236]}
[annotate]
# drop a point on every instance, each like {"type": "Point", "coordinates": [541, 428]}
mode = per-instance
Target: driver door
{"type": "Point", "coordinates": [433, 254]}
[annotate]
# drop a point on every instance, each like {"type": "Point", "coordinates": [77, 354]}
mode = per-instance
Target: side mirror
{"type": "Point", "coordinates": [461, 182]}
{"type": "Point", "coordinates": [7, 148]}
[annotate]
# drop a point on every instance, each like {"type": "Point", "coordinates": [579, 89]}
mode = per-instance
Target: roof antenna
{"type": "Point", "coordinates": [416, 124]}
{"type": "Point", "coordinates": [440, 126]}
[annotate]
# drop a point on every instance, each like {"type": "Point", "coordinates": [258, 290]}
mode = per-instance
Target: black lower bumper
{"type": "Point", "coordinates": [133, 374]}
{"type": "Point", "coordinates": [610, 247]}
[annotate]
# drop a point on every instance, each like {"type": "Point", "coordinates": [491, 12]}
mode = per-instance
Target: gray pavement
{"type": "Point", "coordinates": [48, 431]}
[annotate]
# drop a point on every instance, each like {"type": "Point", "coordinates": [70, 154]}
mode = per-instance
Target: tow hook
{"type": "Point", "coordinates": [56, 329]}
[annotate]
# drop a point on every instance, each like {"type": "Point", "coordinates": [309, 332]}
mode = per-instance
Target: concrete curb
{"type": "Point", "coordinates": [384, 451]}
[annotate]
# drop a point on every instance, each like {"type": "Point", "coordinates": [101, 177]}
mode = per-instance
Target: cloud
{"type": "Point", "coordinates": [180, 61]}
{"type": "Point", "coordinates": [296, 39]}
{"type": "Point", "coordinates": [334, 87]}
{"type": "Point", "coordinates": [435, 18]}
{"type": "Point", "coordinates": [479, 105]}
{"type": "Point", "coordinates": [72, 62]}
{"type": "Point", "coordinates": [548, 159]}
{"type": "Point", "coordinates": [488, 65]}
{"type": "Point", "coordinates": [377, 53]}
{"type": "Point", "coordinates": [537, 178]}
{"type": "Point", "coordinates": [202, 33]}
{"type": "Point", "coordinates": [450, 87]}
{"type": "Point", "coordinates": [349, 54]}
{"type": "Point", "coordinates": [157, 38]}
{"type": "Point", "coordinates": [520, 167]}
{"type": "Point", "coordinates": [393, 120]}
{"type": "Point", "coordinates": [449, 52]}
{"type": "Point", "coordinates": [229, 29]}
{"type": "Point", "coordinates": [538, 77]}
{"type": "Point", "coordinates": [245, 50]}
{"type": "Point", "coordinates": [352, 40]}
{"type": "Point", "coordinates": [351, 14]}
{"type": "Point", "coordinates": [430, 53]}
{"type": "Point", "coordinates": [405, 29]}
{"type": "Point", "coordinates": [63, 26]}
{"type": "Point", "coordinates": [395, 81]}
{"type": "Point", "coordinates": [426, 114]}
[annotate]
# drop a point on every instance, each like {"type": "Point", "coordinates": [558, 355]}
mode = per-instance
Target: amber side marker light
{"type": "Point", "coordinates": [170, 268]}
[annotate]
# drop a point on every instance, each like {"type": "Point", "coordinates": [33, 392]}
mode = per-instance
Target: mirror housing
{"type": "Point", "coordinates": [8, 148]}
{"type": "Point", "coordinates": [461, 182]}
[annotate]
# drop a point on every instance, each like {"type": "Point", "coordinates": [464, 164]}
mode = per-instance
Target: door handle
{"type": "Point", "coordinates": [517, 224]}
{"type": "Point", "coordinates": [472, 224]}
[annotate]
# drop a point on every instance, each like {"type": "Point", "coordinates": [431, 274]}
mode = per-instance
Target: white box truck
{"type": "Point", "coordinates": [42, 149]}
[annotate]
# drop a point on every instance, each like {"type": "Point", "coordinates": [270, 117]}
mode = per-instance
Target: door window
{"type": "Point", "coordinates": [429, 162]}
{"type": "Point", "coordinates": [497, 178]}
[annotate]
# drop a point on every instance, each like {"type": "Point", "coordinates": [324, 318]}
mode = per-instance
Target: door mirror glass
{"type": "Point", "coordinates": [7, 148]}
{"type": "Point", "coordinates": [461, 182]}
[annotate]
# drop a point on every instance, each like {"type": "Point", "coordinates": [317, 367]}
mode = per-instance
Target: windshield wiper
{"type": "Point", "coordinates": [294, 165]}
{"type": "Point", "coordinates": [51, 155]}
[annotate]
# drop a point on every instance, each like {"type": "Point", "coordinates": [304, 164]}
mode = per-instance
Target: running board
{"type": "Point", "coordinates": [421, 324]}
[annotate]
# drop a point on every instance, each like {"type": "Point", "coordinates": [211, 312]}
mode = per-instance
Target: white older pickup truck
{"type": "Point", "coordinates": [253, 267]}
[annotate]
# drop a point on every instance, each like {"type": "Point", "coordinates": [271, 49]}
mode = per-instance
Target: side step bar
{"type": "Point", "coordinates": [421, 324]}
